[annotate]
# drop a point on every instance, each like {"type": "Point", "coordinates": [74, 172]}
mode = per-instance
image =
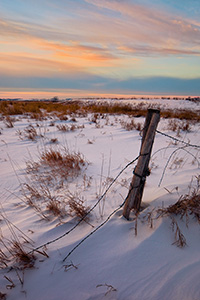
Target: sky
{"type": "Point", "coordinates": [86, 48]}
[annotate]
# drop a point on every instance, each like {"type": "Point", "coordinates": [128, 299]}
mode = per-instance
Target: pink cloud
{"type": "Point", "coordinates": [110, 38]}
{"type": "Point", "coordinates": [151, 25]}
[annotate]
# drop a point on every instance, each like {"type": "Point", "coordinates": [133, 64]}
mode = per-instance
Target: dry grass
{"type": "Point", "coordinates": [82, 108]}
{"type": "Point", "coordinates": [180, 240]}
{"type": "Point", "coordinates": [4, 259]}
{"type": "Point", "coordinates": [186, 206]}
{"type": "Point", "coordinates": [70, 266]}
{"type": "Point", "coordinates": [35, 197]}
{"type": "Point", "coordinates": [67, 128]}
{"type": "Point", "coordinates": [131, 125]}
{"type": "Point", "coordinates": [34, 194]}
{"type": "Point", "coordinates": [44, 201]}
{"type": "Point", "coordinates": [62, 117]}
{"type": "Point", "coordinates": [109, 288]}
{"type": "Point", "coordinates": [77, 207]}
{"type": "Point", "coordinates": [15, 253]}
{"type": "Point", "coordinates": [181, 114]}
{"type": "Point", "coordinates": [173, 125]}
{"type": "Point", "coordinates": [179, 125]}
{"type": "Point", "coordinates": [35, 107]}
{"type": "Point", "coordinates": [177, 163]}
{"type": "Point", "coordinates": [55, 169]}
{"type": "Point", "coordinates": [94, 118]}
{"type": "Point", "coordinates": [87, 180]}
{"type": "Point", "coordinates": [54, 140]}
{"type": "Point", "coordinates": [29, 133]}
{"type": "Point", "coordinates": [56, 208]}
{"type": "Point", "coordinates": [13, 248]}
{"type": "Point", "coordinates": [32, 166]}
{"type": "Point", "coordinates": [63, 163]}
{"type": "Point", "coordinates": [63, 127]}
{"type": "Point", "coordinates": [52, 123]}
{"type": "Point", "coordinates": [151, 216]}
{"type": "Point", "coordinates": [73, 119]}
{"type": "Point", "coordinates": [52, 157]}
{"type": "Point", "coordinates": [90, 142]}
{"type": "Point", "coordinates": [40, 116]}
{"type": "Point", "coordinates": [25, 259]}
{"type": "Point", "coordinates": [9, 121]}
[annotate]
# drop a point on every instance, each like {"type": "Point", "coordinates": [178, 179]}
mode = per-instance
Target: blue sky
{"type": "Point", "coordinates": [99, 47]}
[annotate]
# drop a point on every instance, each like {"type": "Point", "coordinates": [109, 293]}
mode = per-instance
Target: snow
{"type": "Point", "coordinates": [113, 263]}
{"type": "Point", "coordinates": [155, 102]}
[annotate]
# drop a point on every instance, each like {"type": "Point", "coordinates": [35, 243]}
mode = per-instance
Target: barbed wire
{"type": "Point", "coordinates": [102, 224]}
{"type": "Point", "coordinates": [186, 144]}
{"type": "Point", "coordinates": [89, 211]}
{"type": "Point", "coordinates": [171, 155]}
{"type": "Point", "coordinates": [103, 195]}
{"type": "Point", "coordinates": [92, 232]}
{"type": "Point", "coordinates": [177, 140]}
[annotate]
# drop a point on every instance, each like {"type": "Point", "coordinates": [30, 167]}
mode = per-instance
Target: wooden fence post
{"type": "Point", "coordinates": [134, 197]}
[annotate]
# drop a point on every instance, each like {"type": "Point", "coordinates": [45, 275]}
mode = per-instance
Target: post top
{"type": "Point", "coordinates": [153, 110]}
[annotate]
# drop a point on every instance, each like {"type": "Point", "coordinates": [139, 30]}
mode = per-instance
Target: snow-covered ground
{"type": "Point", "coordinates": [179, 103]}
{"type": "Point", "coordinates": [114, 262]}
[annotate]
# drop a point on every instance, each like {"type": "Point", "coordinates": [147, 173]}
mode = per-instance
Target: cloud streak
{"type": "Point", "coordinates": [107, 39]}
{"type": "Point", "coordinates": [137, 25]}
{"type": "Point", "coordinates": [150, 24]}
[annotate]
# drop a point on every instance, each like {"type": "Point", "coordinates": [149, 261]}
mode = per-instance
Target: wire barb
{"type": "Point", "coordinates": [177, 140]}
{"type": "Point", "coordinates": [103, 195]}
{"type": "Point", "coordinates": [89, 211]}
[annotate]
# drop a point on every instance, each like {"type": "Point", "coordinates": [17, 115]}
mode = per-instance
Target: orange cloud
{"type": "Point", "coordinates": [22, 64]}
{"type": "Point", "coordinates": [137, 27]}
{"type": "Point", "coordinates": [96, 43]}
{"type": "Point", "coordinates": [78, 54]}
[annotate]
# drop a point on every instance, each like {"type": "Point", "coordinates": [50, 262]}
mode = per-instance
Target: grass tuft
{"type": "Point", "coordinates": [9, 121]}
{"type": "Point", "coordinates": [63, 163]}
{"type": "Point", "coordinates": [13, 248]}
{"type": "Point", "coordinates": [184, 207]}
{"type": "Point", "coordinates": [176, 125]}
{"type": "Point", "coordinates": [54, 206]}
{"type": "Point", "coordinates": [131, 125]}
{"type": "Point", "coordinates": [21, 256]}
{"type": "Point", "coordinates": [77, 207]}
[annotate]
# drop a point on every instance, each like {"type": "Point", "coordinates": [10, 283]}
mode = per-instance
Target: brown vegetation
{"type": "Point", "coordinates": [9, 121]}
{"type": "Point", "coordinates": [179, 125]}
{"type": "Point", "coordinates": [131, 125]}
{"type": "Point", "coordinates": [186, 206]}
{"type": "Point", "coordinates": [13, 248]}
{"type": "Point", "coordinates": [77, 207]}
{"type": "Point", "coordinates": [64, 163]}
{"type": "Point", "coordinates": [47, 176]}
{"type": "Point", "coordinates": [62, 109]}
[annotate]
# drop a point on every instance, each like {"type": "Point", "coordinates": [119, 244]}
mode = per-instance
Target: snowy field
{"type": "Point", "coordinates": [41, 201]}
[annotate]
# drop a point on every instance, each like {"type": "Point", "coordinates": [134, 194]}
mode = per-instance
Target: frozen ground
{"type": "Point", "coordinates": [114, 262]}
